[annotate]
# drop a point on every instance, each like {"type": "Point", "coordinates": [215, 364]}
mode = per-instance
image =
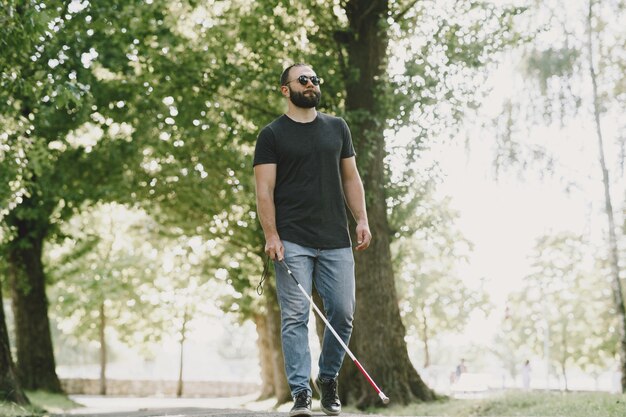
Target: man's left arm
{"type": "Point", "coordinates": [355, 197]}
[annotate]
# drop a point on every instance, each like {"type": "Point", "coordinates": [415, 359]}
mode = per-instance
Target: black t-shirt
{"type": "Point", "coordinates": [309, 199]}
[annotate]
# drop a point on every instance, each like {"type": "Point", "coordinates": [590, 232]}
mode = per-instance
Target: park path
{"type": "Point", "coordinates": [201, 412]}
{"type": "Point", "coordinates": [245, 406]}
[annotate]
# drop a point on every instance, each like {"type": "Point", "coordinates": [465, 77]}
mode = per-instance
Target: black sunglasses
{"type": "Point", "coordinates": [304, 80]}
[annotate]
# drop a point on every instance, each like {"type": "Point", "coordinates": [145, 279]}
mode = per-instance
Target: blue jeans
{"type": "Point", "coordinates": [332, 272]}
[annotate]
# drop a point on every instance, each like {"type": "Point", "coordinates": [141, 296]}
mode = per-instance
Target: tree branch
{"type": "Point", "coordinates": [398, 16]}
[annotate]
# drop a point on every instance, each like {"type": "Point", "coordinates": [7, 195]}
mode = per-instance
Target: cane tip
{"type": "Point", "coordinates": [385, 399]}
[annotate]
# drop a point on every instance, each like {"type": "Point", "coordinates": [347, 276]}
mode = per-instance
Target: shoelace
{"type": "Point", "coordinates": [301, 399]}
{"type": "Point", "coordinates": [333, 387]}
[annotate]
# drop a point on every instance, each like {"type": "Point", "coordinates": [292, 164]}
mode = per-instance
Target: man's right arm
{"type": "Point", "coordinates": [265, 177]}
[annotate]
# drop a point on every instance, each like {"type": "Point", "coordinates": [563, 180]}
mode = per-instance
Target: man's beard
{"type": "Point", "coordinates": [305, 101]}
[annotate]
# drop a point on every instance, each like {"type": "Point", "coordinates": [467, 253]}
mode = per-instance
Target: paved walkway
{"type": "Point", "coordinates": [201, 412]}
{"type": "Point", "coordinates": [246, 406]}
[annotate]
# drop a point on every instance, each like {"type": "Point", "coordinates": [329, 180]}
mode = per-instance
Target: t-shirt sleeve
{"type": "Point", "coordinates": [265, 150]}
{"type": "Point", "coordinates": [347, 149]}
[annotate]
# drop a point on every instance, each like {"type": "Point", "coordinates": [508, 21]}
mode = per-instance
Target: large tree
{"type": "Point", "coordinates": [616, 283]}
{"type": "Point", "coordinates": [97, 99]}
{"type": "Point", "coordinates": [10, 388]}
{"type": "Point", "coordinates": [107, 102]}
{"type": "Point", "coordinates": [370, 105]}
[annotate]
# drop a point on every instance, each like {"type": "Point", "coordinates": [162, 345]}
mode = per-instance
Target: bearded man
{"type": "Point", "coordinates": [305, 172]}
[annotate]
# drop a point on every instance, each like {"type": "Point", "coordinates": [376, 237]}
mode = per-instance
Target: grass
{"type": "Point", "coordinates": [41, 404]}
{"type": "Point", "coordinates": [515, 403]}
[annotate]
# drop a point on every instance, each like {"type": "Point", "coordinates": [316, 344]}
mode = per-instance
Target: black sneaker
{"type": "Point", "coordinates": [329, 401]}
{"type": "Point", "coordinates": [301, 405]}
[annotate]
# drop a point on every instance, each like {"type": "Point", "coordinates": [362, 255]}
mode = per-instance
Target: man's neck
{"type": "Point", "coordinates": [301, 115]}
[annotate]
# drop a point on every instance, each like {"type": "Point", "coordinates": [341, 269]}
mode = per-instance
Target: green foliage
{"type": "Point", "coordinates": [105, 85]}
{"type": "Point", "coordinates": [440, 58]}
{"type": "Point", "coordinates": [115, 260]}
{"type": "Point", "coordinates": [444, 52]}
{"type": "Point", "coordinates": [552, 62]}
{"type": "Point", "coordinates": [120, 102]}
{"type": "Point", "coordinates": [13, 410]}
{"type": "Point", "coordinates": [555, 88]}
{"type": "Point", "coordinates": [433, 298]}
{"type": "Point", "coordinates": [42, 403]}
{"type": "Point", "coordinates": [564, 298]}
{"type": "Point", "coordinates": [101, 267]}
{"type": "Point", "coordinates": [52, 403]}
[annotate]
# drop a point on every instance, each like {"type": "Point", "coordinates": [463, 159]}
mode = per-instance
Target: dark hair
{"type": "Point", "coordinates": [285, 74]}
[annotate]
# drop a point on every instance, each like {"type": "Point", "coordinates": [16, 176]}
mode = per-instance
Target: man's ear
{"type": "Point", "coordinates": [284, 90]}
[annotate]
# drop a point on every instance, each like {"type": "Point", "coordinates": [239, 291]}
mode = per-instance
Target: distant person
{"type": "Point", "coordinates": [526, 375]}
{"type": "Point", "coordinates": [306, 174]}
{"type": "Point", "coordinates": [460, 369]}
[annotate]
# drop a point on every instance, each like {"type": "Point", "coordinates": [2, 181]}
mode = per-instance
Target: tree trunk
{"type": "Point", "coordinates": [183, 331]}
{"type": "Point", "coordinates": [35, 356]}
{"type": "Point", "coordinates": [103, 351]}
{"type": "Point", "coordinates": [608, 206]}
{"type": "Point", "coordinates": [563, 360]}
{"type": "Point", "coordinates": [378, 337]}
{"type": "Point", "coordinates": [10, 389]}
{"type": "Point", "coordinates": [564, 373]}
{"type": "Point", "coordinates": [265, 356]}
{"type": "Point", "coordinates": [281, 387]}
{"type": "Point", "coordinates": [425, 339]}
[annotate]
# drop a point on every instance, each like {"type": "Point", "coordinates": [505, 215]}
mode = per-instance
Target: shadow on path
{"type": "Point", "coordinates": [245, 406]}
{"type": "Point", "coordinates": [177, 412]}
{"type": "Point", "coordinates": [199, 412]}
